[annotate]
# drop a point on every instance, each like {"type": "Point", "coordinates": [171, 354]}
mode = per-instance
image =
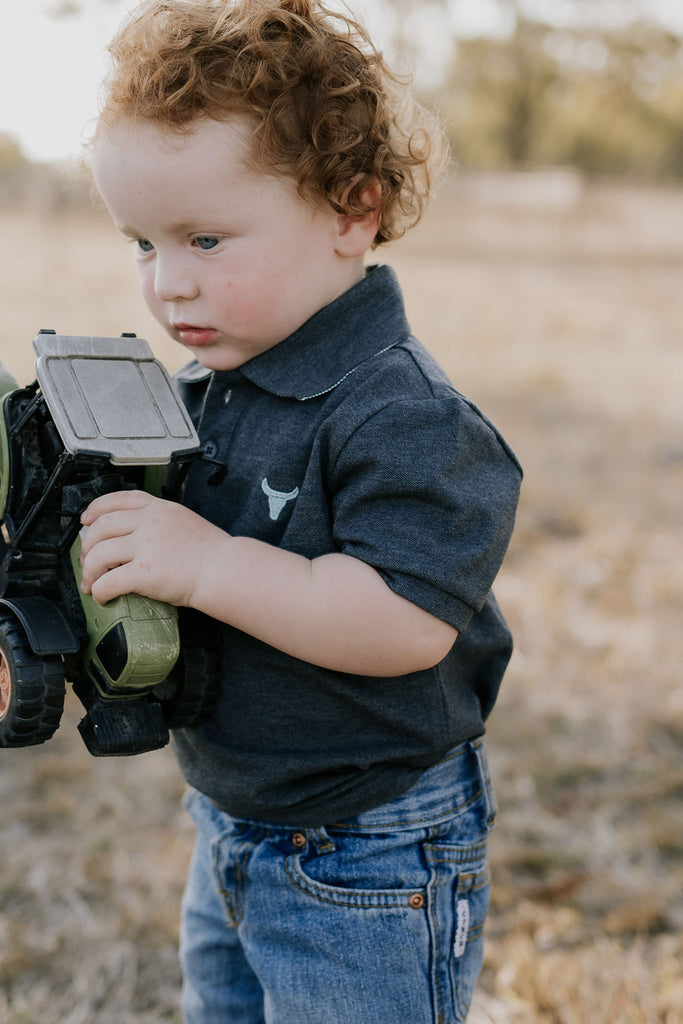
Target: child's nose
{"type": "Point", "coordinates": [172, 280]}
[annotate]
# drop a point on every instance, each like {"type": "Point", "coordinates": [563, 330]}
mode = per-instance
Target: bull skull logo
{"type": "Point", "coordinates": [277, 499]}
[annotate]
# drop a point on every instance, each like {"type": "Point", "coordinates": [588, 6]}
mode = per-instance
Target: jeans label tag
{"type": "Point", "coordinates": [462, 926]}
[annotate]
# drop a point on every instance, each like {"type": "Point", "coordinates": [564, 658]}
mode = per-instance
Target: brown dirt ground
{"type": "Point", "coordinates": [564, 321]}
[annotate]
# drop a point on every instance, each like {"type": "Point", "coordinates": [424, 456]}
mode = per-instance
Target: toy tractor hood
{"type": "Point", "coordinates": [110, 396]}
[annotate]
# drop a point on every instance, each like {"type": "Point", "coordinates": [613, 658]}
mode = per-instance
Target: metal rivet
{"type": "Point", "coordinates": [298, 840]}
{"type": "Point", "coordinates": [417, 901]}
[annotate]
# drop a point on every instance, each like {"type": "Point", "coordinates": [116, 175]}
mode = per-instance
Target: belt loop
{"type": "Point", "coordinates": [320, 839]}
{"type": "Point", "coordinates": [479, 751]}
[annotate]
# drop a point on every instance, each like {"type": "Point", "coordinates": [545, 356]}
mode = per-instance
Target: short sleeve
{"type": "Point", "coordinates": [426, 492]}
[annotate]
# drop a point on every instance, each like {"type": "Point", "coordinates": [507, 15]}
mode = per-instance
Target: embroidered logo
{"type": "Point", "coordinates": [277, 499]}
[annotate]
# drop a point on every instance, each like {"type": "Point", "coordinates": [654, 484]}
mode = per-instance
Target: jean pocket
{"type": "Point", "coordinates": [459, 903]}
{"type": "Point", "coordinates": [363, 871]}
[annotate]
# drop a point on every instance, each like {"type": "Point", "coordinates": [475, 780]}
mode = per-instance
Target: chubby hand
{"type": "Point", "coordinates": [139, 544]}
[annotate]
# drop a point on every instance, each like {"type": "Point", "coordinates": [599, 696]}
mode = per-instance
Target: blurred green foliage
{"type": "Point", "coordinates": [606, 102]}
{"type": "Point", "coordinates": [11, 156]}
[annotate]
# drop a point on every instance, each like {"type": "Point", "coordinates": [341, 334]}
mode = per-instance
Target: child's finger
{"type": "Point", "coordinates": [113, 502]}
{"type": "Point", "coordinates": [107, 526]}
{"type": "Point", "coordinates": [112, 584]}
{"type": "Point", "coordinates": [102, 558]}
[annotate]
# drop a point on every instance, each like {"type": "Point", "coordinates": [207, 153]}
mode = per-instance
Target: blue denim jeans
{"type": "Point", "coordinates": [374, 920]}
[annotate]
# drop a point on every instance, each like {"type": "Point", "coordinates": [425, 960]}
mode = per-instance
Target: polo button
{"type": "Point", "coordinates": [298, 840]}
{"type": "Point", "coordinates": [417, 901]}
{"type": "Point", "coordinates": [227, 395]}
{"type": "Point", "coordinates": [211, 449]}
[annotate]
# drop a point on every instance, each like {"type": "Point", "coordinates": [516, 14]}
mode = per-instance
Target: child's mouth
{"type": "Point", "coordinates": [195, 337]}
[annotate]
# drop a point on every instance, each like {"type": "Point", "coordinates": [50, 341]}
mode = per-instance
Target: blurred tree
{"type": "Point", "coordinates": [606, 101]}
{"type": "Point", "coordinates": [11, 156]}
{"type": "Point", "coordinates": [64, 9]}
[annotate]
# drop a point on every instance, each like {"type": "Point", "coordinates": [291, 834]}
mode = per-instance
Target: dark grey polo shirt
{"type": "Point", "coordinates": [347, 436]}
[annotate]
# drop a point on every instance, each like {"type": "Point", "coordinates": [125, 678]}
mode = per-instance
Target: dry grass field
{"type": "Point", "coordinates": [564, 321]}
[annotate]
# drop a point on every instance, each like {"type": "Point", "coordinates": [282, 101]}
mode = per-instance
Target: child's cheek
{"type": "Point", "coordinates": [241, 306]}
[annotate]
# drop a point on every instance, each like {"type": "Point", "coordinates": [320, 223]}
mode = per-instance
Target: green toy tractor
{"type": "Point", "coordinates": [102, 415]}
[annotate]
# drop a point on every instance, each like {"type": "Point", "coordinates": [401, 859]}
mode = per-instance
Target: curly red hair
{"type": "Point", "coordinates": [326, 109]}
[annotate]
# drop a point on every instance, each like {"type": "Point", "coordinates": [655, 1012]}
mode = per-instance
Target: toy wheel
{"type": "Point", "coordinates": [31, 689]}
{"type": "Point", "coordinates": [189, 694]}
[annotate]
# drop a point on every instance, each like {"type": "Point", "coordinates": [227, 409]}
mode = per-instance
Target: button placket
{"type": "Point", "coordinates": [222, 411]}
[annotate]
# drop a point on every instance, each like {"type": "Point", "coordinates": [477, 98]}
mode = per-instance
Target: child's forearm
{"type": "Point", "coordinates": [334, 611]}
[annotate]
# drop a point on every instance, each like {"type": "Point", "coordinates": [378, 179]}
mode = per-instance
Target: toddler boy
{"type": "Point", "coordinates": [343, 531]}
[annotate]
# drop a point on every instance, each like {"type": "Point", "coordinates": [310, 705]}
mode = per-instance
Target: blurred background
{"type": "Point", "coordinates": [547, 279]}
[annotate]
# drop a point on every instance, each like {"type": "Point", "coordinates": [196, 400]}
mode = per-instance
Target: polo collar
{"type": "Point", "coordinates": [366, 320]}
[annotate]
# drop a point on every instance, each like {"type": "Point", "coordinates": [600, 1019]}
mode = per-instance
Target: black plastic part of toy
{"type": "Point", "coordinates": [123, 727]}
{"type": "Point", "coordinates": [33, 688]}
{"type": "Point", "coordinates": [112, 651]}
{"type": "Point", "coordinates": [47, 629]}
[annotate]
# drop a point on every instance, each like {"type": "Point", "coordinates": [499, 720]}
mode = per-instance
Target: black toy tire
{"type": "Point", "coordinates": [188, 696]}
{"type": "Point", "coordinates": [32, 689]}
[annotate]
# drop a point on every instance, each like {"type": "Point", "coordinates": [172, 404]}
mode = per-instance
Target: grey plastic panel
{"type": "Point", "coordinates": [111, 395]}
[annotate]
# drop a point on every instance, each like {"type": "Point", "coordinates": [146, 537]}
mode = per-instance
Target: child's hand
{"type": "Point", "coordinates": [138, 544]}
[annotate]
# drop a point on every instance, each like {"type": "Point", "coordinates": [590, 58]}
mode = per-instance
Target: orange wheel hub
{"type": "Point", "coordinates": [5, 686]}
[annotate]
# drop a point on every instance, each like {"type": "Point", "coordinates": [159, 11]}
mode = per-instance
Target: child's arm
{"type": "Point", "coordinates": [335, 611]}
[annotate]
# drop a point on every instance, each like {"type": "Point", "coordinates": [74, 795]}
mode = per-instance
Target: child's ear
{"type": "Point", "coordinates": [356, 231]}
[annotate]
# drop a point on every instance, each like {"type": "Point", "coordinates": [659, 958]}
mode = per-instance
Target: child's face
{"type": "Point", "coordinates": [231, 261]}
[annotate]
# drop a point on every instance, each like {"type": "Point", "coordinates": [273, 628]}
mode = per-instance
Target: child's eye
{"type": "Point", "coordinates": [144, 245]}
{"type": "Point", "coordinates": [206, 242]}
